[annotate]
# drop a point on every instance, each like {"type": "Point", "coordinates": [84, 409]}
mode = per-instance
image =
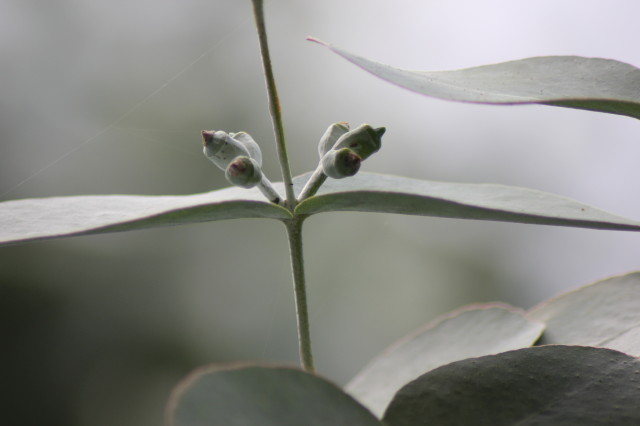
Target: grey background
{"type": "Point", "coordinates": [101, 97]}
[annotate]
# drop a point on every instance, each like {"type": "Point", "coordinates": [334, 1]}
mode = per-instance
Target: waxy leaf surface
{"type": "Point", "coordinates": [265, 396]}
{"type": "Point", "coordinates": [56, 217]}
{"type": "Point", "coordinates": [594, 84]}
{"type": "Point", "coordinates": [369, 192]}
{"type": "Point", "coordinates": [544, 385]}
{"type": "Point", "coordinates": [471, 332]}
{"type": "Point", "coordinates": [41, 218]}
{"type": "Point", "coordinates": [604, 314]}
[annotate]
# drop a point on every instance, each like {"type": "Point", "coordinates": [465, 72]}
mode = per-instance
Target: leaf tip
{"type": "Point", "coordinates": [316, 40]}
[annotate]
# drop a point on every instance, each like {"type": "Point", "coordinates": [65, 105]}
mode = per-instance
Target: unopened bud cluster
{"type": "Point", "coordinates": [341, 151]}
{"type": "Point", "coordinates": [240, 158]}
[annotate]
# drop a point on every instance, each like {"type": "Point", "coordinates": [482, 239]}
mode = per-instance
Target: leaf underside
{"type": "Point", "coordinates": [57, 217]}
{"type": "Point", "coordinates": [369, 192]}
{"type": "Point", "coordinates": [544, 385]}
{"type": "Point", "coordinates": [603, 314]}
{"type": "Point", "coordinates": [594, 84]}
{"type": "Point", "coordinates": [265, 396]}
{"type": "Point", "coordinates": [470, 332]}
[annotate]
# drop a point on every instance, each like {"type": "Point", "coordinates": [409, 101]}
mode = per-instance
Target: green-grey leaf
{"type": "Point", "coordinates": [265, 396]}
{"type": "Point", "coordinates": [368, 192]}
{"type": "Point", "coordinates": [41, 218]}
{"type": "Point", "coordinates": [604, 314]}
{"type": "Point", "coordinates": [470, 332]}
{"type": "Point", "coordinates": [57, 217]}
{"type": "Point", "coordinates": [594, 84]}
{"type": "Point", "coordinates": [545, 385]}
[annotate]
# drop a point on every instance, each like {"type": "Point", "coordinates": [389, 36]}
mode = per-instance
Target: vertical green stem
{"type": "Point", "coordinates": [294, 231]}
{"type": "Point", "coordinates": [274, 104]}
{"type": "Point", "coordinates": [293, 225]}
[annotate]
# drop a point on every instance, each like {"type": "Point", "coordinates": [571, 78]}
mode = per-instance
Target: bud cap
{"type": "Point", "coordinates": [364, 140]}
{"type": "Point", "coordinates": [340, 163]}
{"type": "Point", "coordinates": [330, 136]}
{"type": "Point", "coordinates": [243, 171]}
{"type": "Point", "coordinates": [221, 148]}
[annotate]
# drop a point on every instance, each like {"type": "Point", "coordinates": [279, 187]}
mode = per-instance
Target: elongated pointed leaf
{"type": "Point", "coordinates": [604, 314]}
{"type": "Point", "coordinates": [471, 332]}
{"type": "Point", "coordinates": [265, 396]}
{"type": "Point", "coordinates": [41, 218]}
{"type": "Point", "coordinates": [56, 217]}
{"type": "Point", "coordinates": [594, 84]}
{"type": "Point", "coordinates": [545, 385]}
{"type": "Point", "coordinates": [368, 192]}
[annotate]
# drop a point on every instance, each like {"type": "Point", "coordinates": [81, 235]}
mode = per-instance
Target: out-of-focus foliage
{"type": "Point", "coordinates": [86, 317]}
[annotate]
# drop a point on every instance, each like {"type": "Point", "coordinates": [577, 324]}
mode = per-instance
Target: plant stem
{"type": "Point", "coordinates": [274, 104]}
{"type": "Point", "coordinates": [294, 232]}
{"type": "Point", "coordinates": [293, 225]}
{"type": "Point", "coordinates": [266, 187]}
{"type": "Point", "coordinates": [313, 184]}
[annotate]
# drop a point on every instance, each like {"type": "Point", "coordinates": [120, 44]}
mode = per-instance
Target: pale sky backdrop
{"type": "Point", "coordinates": [102, 97]}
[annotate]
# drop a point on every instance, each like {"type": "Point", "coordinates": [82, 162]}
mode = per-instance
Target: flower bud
{"type": "Point", "coordinates": [331, 135]}
{"type": "Point", "coordinates": [363, 140]}
{"type": "Point", "coordinates": [252, 147]}
{"type": "Point", "coordinates": [243, 171]}
{"type": "Point", "coordinates": [221, 148]}
{"type": "Point", "coordinates": [340, 163]}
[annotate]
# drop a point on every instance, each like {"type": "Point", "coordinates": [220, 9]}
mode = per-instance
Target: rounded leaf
{"type": "Point", "coordinates": [469, 332]}
{"type": "Point", "coordinates": [264, 396]}
{"type": "Point", "coordinates": [544, 385]}
{"type": "Point", "coordinates": [604, 314]}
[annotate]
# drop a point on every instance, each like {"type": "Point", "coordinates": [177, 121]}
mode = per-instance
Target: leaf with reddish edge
{"type": "Point", "coordinates": [266, 396]}
{"type": "Point", "coordinates": [604, 314]}
{"type": "Point", "coordinates": [542, 385]}
{"type": "Point", "coordinates": [594, 84]}
{"type": "Point", "coordinates": [468, 332]}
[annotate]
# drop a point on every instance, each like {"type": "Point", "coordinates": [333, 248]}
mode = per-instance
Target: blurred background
{"type": "Point", "coordinates": [109, 97]}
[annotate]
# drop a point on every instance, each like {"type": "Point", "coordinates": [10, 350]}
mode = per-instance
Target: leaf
{"type": "Point", "coordinates": [603, 314]}
{"type": "Point", "coordinates": [57, 217]}
{"type": "Point", "coordinates": [473, 331]}
{"type": "Point", "coordinates": [41, 218]}
{"type": "Point", "coordinates": [265, 396]}
{"type": "Point", "coordinates": [545, 385]}
{"type": "Point", "coordinates": [593, 84]}
{"type": "Point", "coordinates": [368, 192]}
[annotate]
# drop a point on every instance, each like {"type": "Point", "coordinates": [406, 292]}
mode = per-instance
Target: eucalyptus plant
{"type": "Point", "coordinates": [570, 360]}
